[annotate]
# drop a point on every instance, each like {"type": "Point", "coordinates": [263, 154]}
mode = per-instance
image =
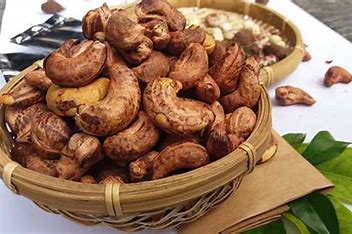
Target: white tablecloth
{"type": "Point", "coordinates": [332, 112]}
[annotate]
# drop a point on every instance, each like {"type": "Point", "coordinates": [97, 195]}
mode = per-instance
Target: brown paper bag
{"type": "Point", "coordinates": [263, 194]}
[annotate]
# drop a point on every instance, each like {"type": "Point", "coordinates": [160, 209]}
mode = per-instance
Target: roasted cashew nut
{"type": "Point", "coordinates": [75, 65]}
{"type": "Point", "coordinates": [133, 142]}
{"type": "Point", "coordinates": [248, 90]}
{"type": "Point", "coordinates": [117, 110]}
{"type": "Point", "coordinates": [191, 67]}
{"type": "Point", "coordinates": [187, 155]}
{"type": "Point", "coordinates": [173, 114]}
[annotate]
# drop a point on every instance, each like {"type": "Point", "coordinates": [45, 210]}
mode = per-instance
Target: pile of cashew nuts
{"type": "Point", "coordinates": [142, 98]}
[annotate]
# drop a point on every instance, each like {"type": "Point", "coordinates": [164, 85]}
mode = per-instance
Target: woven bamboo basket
{"type": "Point", "coordinates": [266, 18]}
{"type": "Point", "coordinates": [157, 204]}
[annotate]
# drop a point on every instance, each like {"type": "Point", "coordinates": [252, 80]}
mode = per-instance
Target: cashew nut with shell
{"type": "Point", "coordinates": [207, 90]}
{"type": "Point", "coordinates": [173, 114]}
{"type": "Point", "coordinates": [117, 110]}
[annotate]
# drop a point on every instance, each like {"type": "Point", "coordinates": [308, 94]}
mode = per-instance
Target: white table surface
{"type": "Point", "coordinates": [332, 112]}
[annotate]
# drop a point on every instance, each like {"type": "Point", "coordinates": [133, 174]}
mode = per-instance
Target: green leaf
{"type": "Point", "coordinates": [326, 211]}
{"type": "Point", "coordinates": [294, 224]}
{"type": "Point", "coordinates": [323, 147]}
{"type": "Point", "coordinates": [343, 186]}
{"type": "Point", "coordinates": [294, 138]}
{"type": "Point", "coordinates": [339, 172]}
{"type": "Point", "coordinates": [317, 212]}
{"type": "Point", "coordinates": [276, 227]}
{"type": "Point", "coordinates": [344, 215]}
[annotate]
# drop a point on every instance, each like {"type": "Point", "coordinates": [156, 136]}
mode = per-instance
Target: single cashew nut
{"type": "Point", "coordinates": [159, 9]}
{"type": "Point", "coordinates": [241, 122]}
{"type": "Point", "coordinates": [133, 142]}
{"type": "Point", "coordinates": [117, 110]}
{"type": "Point", "coordinates": [217, 54]}
{"type": "Point", "coordinates": [207, 90]}
{"type": "Point", "coordinates": [23, 122]}
{"type": "Point", "coordinates": [75, 65]}
{"type": "Point", "coordinates": [289, 95]}
{"type": "Point", "coordinates": [24, 96]}
{"type": "Point", "coordinates": [38, 79]}
{"type": "Point", "coordinates": [49, 132]}
{"type": "Point", "coordinates": [141, 169]}
{"type": "Point", "coordinates": [220, 143]}
{"type": "Point", "coordinates": [156, 66]}
{"type": "Point", "coordinates": [335, 75]}
{"type": "Point", "coordinates": [64, 101]}
{"type": "Point", "coordinates": [180, 40]}
{"type": "Point", "coordinates": [191, 67]}
{"type": "Point", "coordinates": [94, 22]}
{"type": "Point", "coordinates": [186, 155]}
{"type": "Point", "coordinates": [227, 70]}
{"type": "Point", "coordinates": [158, 32]}
{"type": "Point", "coordinates": [79, 155]}
{"type": "Point", "coordinates": [173, 114]}
{"type": "Point", "coordinates": [248, 91]}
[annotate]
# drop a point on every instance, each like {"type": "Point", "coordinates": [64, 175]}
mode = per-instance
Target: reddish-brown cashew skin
{"type": "Point", "coordinates": [11, 115]}
{"type": "Point", "coordinates": [49, 132]}
{"type": "Point", "coordinates": [112, 58]}
{"type": "Point", "coordinates": [180, 40]}
{"type": "Point", "coordinates": [336, 74]}
{"type": "Point", "coordinates": [24, 96]}
{"type": "Point", "coordinates": [248, 91]}
{"type": "Point", "coordinates": [156, 66]}
{"type": "Point", "coordinates": [158, 32]}
{"type": "Point", "coordinates": [27, 156]}
{"type": "Point", "coordinates": [289, 95]}
{"type": "Point", "coordinates": [79, 155]}
{"type": "Point", "coordinates": [122, 32]}
{"type": "Point", "coordinates": [207, 90]}
{"type": "Point", "coordinates": [220, 143]}
{"type": "Point", "coordinates": [141, 169]}
{"type": "Point", "coordinates": [241, 122]}
{"type": "Point", "coordinates": [191, 67]}
{"type": "Point", "coordinates": [38, 79]}
{"type": "Point", "coordinates": [133, 142]}
{"type": "Point", "coordinates": [176, 115]}
{"type": "Point", "coordinates": [159, 9]}
{"type": "Point", "coordinates": [94, 22]}
{"type": "Point", "coordinates": [23, 123]}
{"type": "Point", "coordinates": [227, 70]}
{"type": "Point", "coordinates": [187, 155]}
{"type": "Point", "coordinates": [217, 54]}
{"type": "Point", "coordinates": [75, 65]}
{"type": "Point", "coordinates": [139, 54]}
{"type": "Point", "coordinates": [117, 110]}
